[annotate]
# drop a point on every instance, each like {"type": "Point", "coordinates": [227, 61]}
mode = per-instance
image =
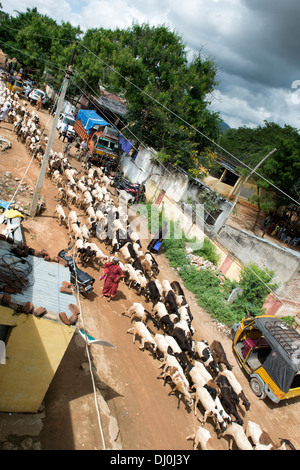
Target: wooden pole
{"type": "Point", "coordinates": [40, 181]}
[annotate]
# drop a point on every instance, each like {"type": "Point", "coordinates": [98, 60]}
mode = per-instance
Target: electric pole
{"type": "Point", "coordinates": [37, 192]}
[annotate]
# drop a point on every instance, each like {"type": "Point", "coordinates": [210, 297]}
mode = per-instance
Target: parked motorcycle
{"type": "Point", "coordinates": [136, 190]}
{"type": "Point", "coordinates": [79, 278]}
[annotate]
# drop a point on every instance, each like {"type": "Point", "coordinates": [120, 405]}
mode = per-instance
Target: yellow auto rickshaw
{"type": "Point", "coordinates": [15, 84]}
{"type": "Point", "coordinates": [268, 349]}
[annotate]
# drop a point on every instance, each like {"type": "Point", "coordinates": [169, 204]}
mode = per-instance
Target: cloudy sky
{"type": "Point", "coordinates": [255, 44]}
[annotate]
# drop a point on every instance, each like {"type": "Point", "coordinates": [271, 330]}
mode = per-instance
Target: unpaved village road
{"type": "Point", "coordinates": [148, 418]}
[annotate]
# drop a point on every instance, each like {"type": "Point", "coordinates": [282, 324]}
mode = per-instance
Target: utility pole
{"type": "Point", "coordinates": [37, 192]}
{"type": "Point", "coordinates": [241, 187]}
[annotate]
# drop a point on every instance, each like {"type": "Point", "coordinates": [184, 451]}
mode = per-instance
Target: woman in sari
{"type": "Point", "coordinates": [112, 274]}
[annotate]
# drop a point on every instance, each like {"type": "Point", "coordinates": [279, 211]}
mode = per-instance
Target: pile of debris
{"type": "Point", "coordinates": [4, 144]}
{"type": "Point", "coordinates": [199, 261]}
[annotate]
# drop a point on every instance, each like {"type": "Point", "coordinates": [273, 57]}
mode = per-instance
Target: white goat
{"type": "Point", "coordinates": [139, 329]}
{"type": "Point", "coordinates": [137, 310]}
{"type": "Point", "coordinates": [60, 213]}
{"type": "Point", "coordinates": [201, 436]}
{"type": "Point", "coordinates": [237, 433]}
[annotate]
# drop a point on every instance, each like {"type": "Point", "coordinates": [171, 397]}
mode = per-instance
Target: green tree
{"type": "Point", "coordinates": [256, 284]}
{"type": "Point", "coordinates": [149, 67]}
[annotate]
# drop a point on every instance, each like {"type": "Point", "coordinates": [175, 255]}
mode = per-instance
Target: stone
{"type": "Point", "coordinates": [64, 318]}
{"type": "Point", "coordinates": [74, 309]}
{"type": "Point", "coordinates": [39, 311]}
{"type": "Point", "coordinates": [65, 290]}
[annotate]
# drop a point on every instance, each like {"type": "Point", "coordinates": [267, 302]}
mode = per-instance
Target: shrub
{"type": "Point", "coordinates": [208, 251]}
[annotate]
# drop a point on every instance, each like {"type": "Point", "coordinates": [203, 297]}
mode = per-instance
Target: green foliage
{"type": "Point", "coordinates": [208, 251]}
{"type": "Point", "coordinates": [212, 290]}
{"type": "Point", "coordinates": [38, 42]}
{"type": "Point", "coordinates": [256, 284]}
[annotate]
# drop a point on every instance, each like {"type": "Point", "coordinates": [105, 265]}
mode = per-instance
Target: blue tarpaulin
{"type": "Point", "coordinates": [126, 145]}
{"type": "Point", "coordinates": [5, 204]}
{"type": "Point", "coordinates": [90, 119]}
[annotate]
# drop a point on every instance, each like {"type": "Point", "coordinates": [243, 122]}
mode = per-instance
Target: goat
{"type": "Point", "coordinates": [139, 329]}
{"type": "Point", "coordinates": [237, 433]}
{"type": "Point", "coordinates": [170, 302]}
{"type": "Point", "coordinates": [133, 278]}
{"type": "Point", "coordinates": [180, 385]}
{"type": "Point", "coordinates": [220, 355]}
{"type": "Point", "coordinates": [60, 212]}
{"type": "Point", "coordinates": [166, 287]}
{"type": "Point", "coordinates": [227, 401]}
{"type": "Point", "coordinates": [99, 255]}
{"type": "Point", "coordinates": [204, 352]}
{"type": "Point", "coordinates": [152, 293]}
{"type": "Point", "coordinates": [237, 388]}
{"type": "Point", "coordinates": [257, 436]}
{"type": "Point", "coordinates": [210, 408]}
{"type": "Point", "coordinates": [75, 230]}
{"type": "Point", "coordinates": [175, 350]}
{"type": "Point", "coordinates": [164, 320]}
{"type": "Point", "coordinates": [201, 436]}
{"type": "Point", "coordinates": [137, 310]}
{"type": "Point", "coordinates": [162, 345]}
{"type": "Point", "coordinates": [177, 288]}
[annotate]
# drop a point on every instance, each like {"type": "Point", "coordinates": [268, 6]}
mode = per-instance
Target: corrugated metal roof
{"type": "Point", "coordinates": [44, 280]}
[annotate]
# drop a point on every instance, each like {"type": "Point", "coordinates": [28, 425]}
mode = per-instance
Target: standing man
{"type": "Point", "coordinates": [39, 103]}
{"type": "Point", "coordinates": [5, 110]}
{"type": "Point", "coordinates": [63, 132]}
{"type": "Point", "coordinates": [69, 143]}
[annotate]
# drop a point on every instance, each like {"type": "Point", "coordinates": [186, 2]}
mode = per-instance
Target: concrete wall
{"type": "Point", "coordinates": [251, 249]}
{"type": "Point", "coordinates": [174, 182]}
{"type": "Point", "coordinates": [34, 349]}
{"type": "Point", "coordinates": [283, 261]}
{"type": "Point", "coordinates": [169, 187]}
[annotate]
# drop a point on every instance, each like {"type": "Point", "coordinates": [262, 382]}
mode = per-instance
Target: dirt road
{"type": "Point", "coordinates": [148, 417]}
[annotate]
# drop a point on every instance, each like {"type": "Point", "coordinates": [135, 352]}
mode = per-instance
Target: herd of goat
{"type": "Point", "coordinates": [200, 373]}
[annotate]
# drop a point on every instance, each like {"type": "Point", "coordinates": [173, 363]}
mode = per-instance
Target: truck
{"type": "Point", "coordinates": [102, 139]}
{"type": "Point", "coordinates": [66, 119]}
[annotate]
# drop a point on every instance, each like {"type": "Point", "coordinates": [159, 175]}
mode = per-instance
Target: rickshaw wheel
{"type": "Point", "coordinates": [256, 387]}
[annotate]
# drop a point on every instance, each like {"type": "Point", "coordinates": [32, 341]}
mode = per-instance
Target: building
{"type": "Point", "coordinates": [33, 338]}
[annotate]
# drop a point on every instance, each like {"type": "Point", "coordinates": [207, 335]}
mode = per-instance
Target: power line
{"type": "Point", "coordinates": [188, 124]}
{"type": "Point", "coordinates": [235, 241]}
{"type": "Point", "coordinates": [168, 111]}
{"type": "Point", "coordinates": [160, 104]}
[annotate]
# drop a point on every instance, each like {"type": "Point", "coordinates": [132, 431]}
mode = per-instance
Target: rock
{"type": "Point", "coordinates": [28, 307]}
{"type": "Point", "coordinates": [64, 318]}
{"type": "Point", "coordinates": [8, 446]}
{"type": "Point", "coordinates": [26, 444]}
{"type": "Point", "coordinates": [74, 309]}
{"type": "Point", "coordinates": [8, 174]}
{"type": "Point", "coordinates": [65, 290]}
{"type": "Point", "coordinates": [39, 311]}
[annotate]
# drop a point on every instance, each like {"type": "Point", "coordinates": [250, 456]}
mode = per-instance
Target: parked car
{"type": "Point", "coordinates": [35, 94]}
{"type": "Point", "coordinates": [66, 119]}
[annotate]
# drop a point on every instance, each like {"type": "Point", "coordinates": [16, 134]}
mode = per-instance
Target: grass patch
{"type": "Point", "coordinates": [211, 288]}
